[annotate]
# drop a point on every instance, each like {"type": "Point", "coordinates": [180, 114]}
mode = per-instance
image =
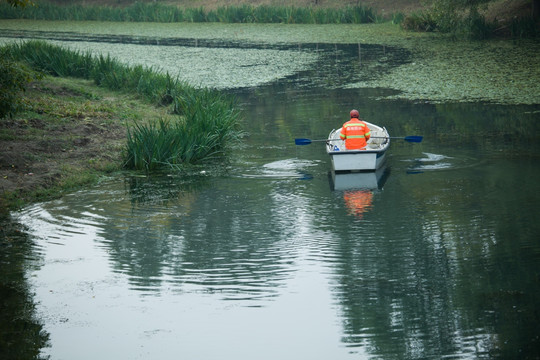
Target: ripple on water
{"type": "Point", "coordinates": [281, 169]}
{"type": "Point", "coordinates": [435, 162]}
{"type": "Point", "coordinates": [151, 261]}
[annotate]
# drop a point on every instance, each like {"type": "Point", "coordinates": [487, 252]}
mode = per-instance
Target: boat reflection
{"type": "Point", "coordinates": [371, 180]}
{"type": "Point", "coordinates": [358, 188]}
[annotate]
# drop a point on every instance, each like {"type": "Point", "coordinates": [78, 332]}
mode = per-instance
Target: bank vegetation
{"type": "Point", "coordinates": [478, 19]}
{"type": "Point", "coordinates": [188, 125]}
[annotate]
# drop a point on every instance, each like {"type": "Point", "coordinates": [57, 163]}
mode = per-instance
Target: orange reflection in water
{"type": "Point", "coordinates": [358, 201]}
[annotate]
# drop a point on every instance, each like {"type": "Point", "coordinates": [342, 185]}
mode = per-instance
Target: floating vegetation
{"type": "Point", "coordinates": [437, 70]}
{"type": "Point", "coordinates": [217, 68]}
{"type": "Point", "coordinates": [500, 72]}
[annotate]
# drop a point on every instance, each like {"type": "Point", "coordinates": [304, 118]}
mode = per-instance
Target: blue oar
{"type": "Point", "coordinates": [412, 138]}
{"type": "Point", "coordinates": [309, 141]}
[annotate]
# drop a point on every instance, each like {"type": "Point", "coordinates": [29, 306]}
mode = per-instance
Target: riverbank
{"type": "Point", "coordinates": [71, 133]}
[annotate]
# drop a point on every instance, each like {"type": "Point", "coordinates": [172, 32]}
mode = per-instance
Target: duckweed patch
{"type": "Point", "coordinates": [438, 69]}
{"type": "Point", "coordinates": [496, 71]}
{"type": "Point", "coordinates": [217, 68]}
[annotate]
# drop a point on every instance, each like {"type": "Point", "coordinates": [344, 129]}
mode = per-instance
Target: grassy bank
{"type": "Point", "coordinates": [206, 120]}
{"type": "Point", "coordinates": [70, 132]}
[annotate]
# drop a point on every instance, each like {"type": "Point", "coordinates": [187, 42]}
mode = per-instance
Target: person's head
{"type": "Point", "coordinates": [355, 114]}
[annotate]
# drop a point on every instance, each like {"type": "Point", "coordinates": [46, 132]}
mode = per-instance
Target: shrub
{"type": "Point", "coordinates": [14, 78]}
{"type": "Point", "coordinates": [477, 27]}
{"type": "Point", "coordinates": [421, 21]}
{"type": "Point", "coordinates": [526, 27]}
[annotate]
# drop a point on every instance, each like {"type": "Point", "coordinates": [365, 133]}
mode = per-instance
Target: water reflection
{"type": "Point", "coordinates": [184, 242]}
{"type": "Point", "coordinates": [359, 180]}
{"type": "Point", "coordinates": [358, 201]}
{"type": "Point", "coordinates": [358, 188]}
{"type": "Point", "coordinates": [21, 330]}
{"type": "Point", "coordinates": [281, 169]}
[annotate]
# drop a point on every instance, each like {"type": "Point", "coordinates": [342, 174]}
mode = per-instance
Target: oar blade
{"type": "Point", "coordinates": [302, 141]}
{"type": "Point", "coordinates": [413, 138]}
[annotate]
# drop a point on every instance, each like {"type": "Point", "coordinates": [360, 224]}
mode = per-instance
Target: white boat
{"type": "Point", "coordinates": [359, 160]}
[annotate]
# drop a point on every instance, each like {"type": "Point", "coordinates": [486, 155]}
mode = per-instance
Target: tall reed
{"type": "Point", "coordinates": [156, 12]}
{"type": "Point", "coordinates": [51, 59]}
{"type": "Point", "coordinates": [207, 119]}
{"type": "Point", "coordinates": [202, 134]}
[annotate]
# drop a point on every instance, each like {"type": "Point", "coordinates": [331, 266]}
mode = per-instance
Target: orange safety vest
{"type": "Point", "coordinates": [356, 134]}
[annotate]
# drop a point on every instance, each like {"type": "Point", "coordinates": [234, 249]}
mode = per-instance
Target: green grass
{"type": "Point", "coordinates": [156, 12]}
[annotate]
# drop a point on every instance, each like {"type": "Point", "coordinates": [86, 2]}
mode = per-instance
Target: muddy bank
{"type": "Point", "coordinates": [70, 134]}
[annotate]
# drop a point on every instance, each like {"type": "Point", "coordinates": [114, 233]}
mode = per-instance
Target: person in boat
{"type": "Point", "coordinates": [355, 132]}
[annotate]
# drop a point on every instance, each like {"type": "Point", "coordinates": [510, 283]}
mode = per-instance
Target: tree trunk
{"type": "Point", "coordinates": [535, 9]}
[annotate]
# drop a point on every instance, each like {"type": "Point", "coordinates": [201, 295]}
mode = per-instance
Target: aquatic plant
{"type": "Point", "coordinates": [477, 27]}
{"type": "Point", "coordinates": [51, 59]}
{"type": "Point", "coordinates": [208, 124]}
{"type": "Point", "coordinates": [419, 21]}
{"type": "Point", "coordinates": [199, 135]}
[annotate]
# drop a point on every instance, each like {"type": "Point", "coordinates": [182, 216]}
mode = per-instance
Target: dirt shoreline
{"type": "Point", "coordinates": [71, 134]}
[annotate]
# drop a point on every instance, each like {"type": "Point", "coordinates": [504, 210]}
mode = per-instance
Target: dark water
{"type": "Point", "coordinates": [435, 256]}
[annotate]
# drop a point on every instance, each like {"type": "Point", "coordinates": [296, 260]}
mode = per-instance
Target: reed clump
{"type": "Point", "coordinates": [156, 12]}
{"type": "Point", "coordinates": [207, 120]}
{"type": "Point", "coordinates": [466, 20]}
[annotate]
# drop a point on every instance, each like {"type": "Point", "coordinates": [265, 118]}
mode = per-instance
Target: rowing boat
{"type": "Point", "coordinates": [370, 159]}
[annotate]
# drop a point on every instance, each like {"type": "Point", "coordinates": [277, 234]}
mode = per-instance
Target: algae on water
{"type": "Point", "coordinates": [438, 69]}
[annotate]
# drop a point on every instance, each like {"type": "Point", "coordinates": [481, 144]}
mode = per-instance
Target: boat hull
{"type": "Point", "coordinates": [370, 159]}
{"type": "Point", "coordinates": [357, 160]}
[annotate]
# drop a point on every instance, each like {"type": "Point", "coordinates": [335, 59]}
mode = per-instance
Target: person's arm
{"type": "Point", "coordinates": [342, 134]}
{"type": "Point", "coordinates": [367, 134]}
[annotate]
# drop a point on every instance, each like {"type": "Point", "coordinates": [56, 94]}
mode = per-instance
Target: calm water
{"type": "Point", "coordinates": [435, 256]}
